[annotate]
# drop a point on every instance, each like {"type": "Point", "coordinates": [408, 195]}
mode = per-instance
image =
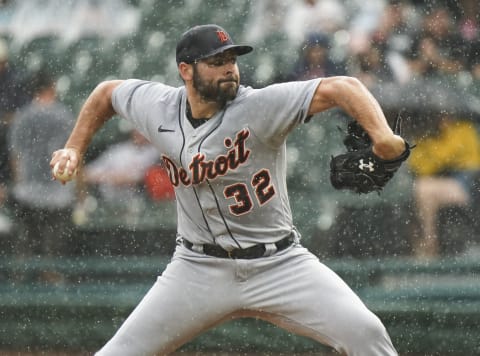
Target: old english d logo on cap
{"type": "Point", "coordinates": [222, 36]}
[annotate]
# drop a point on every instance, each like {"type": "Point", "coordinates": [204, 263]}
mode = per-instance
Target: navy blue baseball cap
{"type": "Point", "coordinates": [204, 41]}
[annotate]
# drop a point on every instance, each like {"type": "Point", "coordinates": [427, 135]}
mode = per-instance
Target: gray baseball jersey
{"type": "Point", "coordinates": [229, 176]}
{"type": "Point", "coordinates": [230, 173]}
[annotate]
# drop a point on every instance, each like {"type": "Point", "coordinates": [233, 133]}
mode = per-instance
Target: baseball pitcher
{"type": "Point", "coordinates": [238, 252]}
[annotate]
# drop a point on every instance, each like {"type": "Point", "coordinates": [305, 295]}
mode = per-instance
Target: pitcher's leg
{"type": "Point", "coordinates": [307, 298]}
{"type": "Point", "coordinates": [184, 301]}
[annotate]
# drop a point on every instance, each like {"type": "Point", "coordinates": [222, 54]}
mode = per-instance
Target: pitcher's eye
{"type": "Point", "coordinates": [221, 61]}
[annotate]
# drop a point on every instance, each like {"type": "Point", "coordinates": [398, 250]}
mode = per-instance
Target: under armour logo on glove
{"type": "Point", "coordinates": [370, 166]}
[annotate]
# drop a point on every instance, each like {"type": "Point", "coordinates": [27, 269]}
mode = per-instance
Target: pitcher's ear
{"type": "Point", "coordinates": [186, 71]}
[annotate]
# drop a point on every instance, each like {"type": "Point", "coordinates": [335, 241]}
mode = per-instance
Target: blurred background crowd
{"type": "Point", "coordinates": [419, 58]}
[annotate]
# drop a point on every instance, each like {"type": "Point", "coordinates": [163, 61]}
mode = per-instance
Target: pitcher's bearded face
{"type": "Point", "coordinates": [217, 78]}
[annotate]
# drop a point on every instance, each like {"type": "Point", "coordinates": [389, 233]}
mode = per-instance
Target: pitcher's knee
{"type": "Point", "coordinates": [369, 337]}
{"type": "Point", "coordinates": [373, 328]}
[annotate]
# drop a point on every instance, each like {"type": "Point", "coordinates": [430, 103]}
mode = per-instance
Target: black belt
{"type": "Point", "coordinates": [248, 253]}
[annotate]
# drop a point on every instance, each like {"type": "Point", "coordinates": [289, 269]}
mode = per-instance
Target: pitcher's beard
{"type": "Point", "coordinates": [220, 92]}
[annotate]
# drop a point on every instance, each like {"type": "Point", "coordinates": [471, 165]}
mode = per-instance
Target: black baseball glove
{"type": "Point", "coordinates": [360, 170]}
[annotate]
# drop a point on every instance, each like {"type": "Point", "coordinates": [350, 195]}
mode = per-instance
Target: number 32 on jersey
{"type": "Point", "coordinates": [261, 186]}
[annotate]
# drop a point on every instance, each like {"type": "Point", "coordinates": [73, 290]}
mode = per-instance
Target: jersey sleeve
{"type": "Point", "coordinates": [277, 109]}
{"type": "Point", "coordinates": [134, 100]}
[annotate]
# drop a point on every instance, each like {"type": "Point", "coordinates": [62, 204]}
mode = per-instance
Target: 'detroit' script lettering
{"type": "Point", "coordinates": [201, 169]}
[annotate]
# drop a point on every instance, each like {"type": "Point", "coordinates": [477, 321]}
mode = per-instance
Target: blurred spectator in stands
{"type": "Point", "coordinates": [364, 17]}
{"type": "Point", "coordinates": [393, 38]}
{"type": "Point", "coordinates": [265, 18]}
{"type": "Point", "coordinates": [118, 173]}
{"type": "Point", "coordinates": [307, 16]}
{"type": "Point", "coordinates": [158, 184]}
{"type": "Point", "coordinates": [466, 12]}
{"type": "Point", "coordinates": [281, 25]}
{"type": "Point", "coordinates": [370, 67]}
{"type": "Point", "coordinates": [12, 96]}
{"type": "Point", "coordinates": [314, 60]}
{"type": "Point", "coordinates": [42, 206]}
{"type": "Point", "coordinates": [438, 49]}
{"type": "Point", "coordinates": [446, 163]}
{"type": "Point", "coordinates": [380, 48]}
{"type": "Point", "coordinates": [293, 19]}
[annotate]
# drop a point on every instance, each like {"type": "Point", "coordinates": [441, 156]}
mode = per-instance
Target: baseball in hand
{"type": "Point", "coordinates": [64, 177]}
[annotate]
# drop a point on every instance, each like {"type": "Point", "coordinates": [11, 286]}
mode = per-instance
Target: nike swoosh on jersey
{"type": "Point", "coordinates": [160, 129]}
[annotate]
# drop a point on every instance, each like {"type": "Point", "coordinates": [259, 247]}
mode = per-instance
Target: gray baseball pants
{"type": "Point", "coordinates": [291, 289]}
